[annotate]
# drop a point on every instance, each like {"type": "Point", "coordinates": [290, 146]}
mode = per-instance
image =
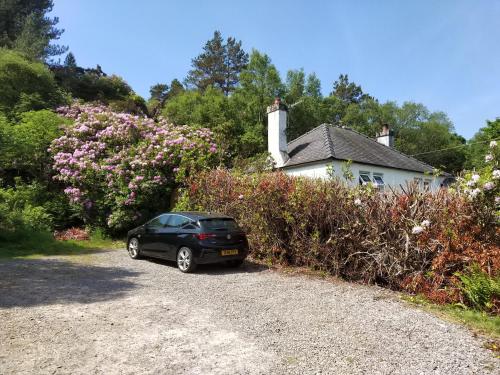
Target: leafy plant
{"type": "Point", "coordinates": [479, 288]}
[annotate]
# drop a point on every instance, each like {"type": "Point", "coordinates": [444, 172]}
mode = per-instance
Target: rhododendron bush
{"type": "Point", "coordinates": [411, 240]}
{"type": "Point", "coordinates": [120, 168]}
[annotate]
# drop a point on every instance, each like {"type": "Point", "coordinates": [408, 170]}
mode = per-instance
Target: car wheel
{"type": "Point", "coordinates": [185, 261]}
{"type": "Point", "coordinates": [235, 263]}
{"type": "Point", "coordinates": [134, 248]}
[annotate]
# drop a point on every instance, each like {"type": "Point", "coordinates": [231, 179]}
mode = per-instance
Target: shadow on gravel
{"type": "Point", "coordinates": [217, 268]}
{"type": "Point", "coordinates": [26, 283]}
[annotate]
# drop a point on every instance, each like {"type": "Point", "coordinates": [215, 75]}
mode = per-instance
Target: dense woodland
{"type": "Point", "coordinates": [227, 90]}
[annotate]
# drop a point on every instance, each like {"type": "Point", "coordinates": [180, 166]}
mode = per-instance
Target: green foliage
{"type": "Point", "coordinates": [479, 288]}
{"type": "Point", "coordinates": [26, 143]}
{"type": "Point", "coordinates": [25, 27]}
{"type": "Point", "coordinates": [17, 209]}
{"type": "Point", "coordinates": [219, 65]}
{"type": "Point", "coordinates": [211, 109]}
{"type": "Point", "coordinates": [479, 144]}
{"type": "Point", "coordinates": [92, 84]}
{"type": "Point", "coordinates": [26, 85]}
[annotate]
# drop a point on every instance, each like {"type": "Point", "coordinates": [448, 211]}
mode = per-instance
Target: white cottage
{"type": "Point", "coordinates": [327, 147]}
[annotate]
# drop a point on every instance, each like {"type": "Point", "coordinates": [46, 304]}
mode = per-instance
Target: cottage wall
{"type": "Point", "coordinates": [392, 177]}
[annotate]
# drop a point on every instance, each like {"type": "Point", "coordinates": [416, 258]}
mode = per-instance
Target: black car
{"type": "Point", "coordinates": [190, 238]}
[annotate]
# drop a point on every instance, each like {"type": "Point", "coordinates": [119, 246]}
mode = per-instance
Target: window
{"type": "Point", "coordinates": [417, 181]}
{"type": "Point", "coordinates": [364, 178]}
{"type": "Point", "coordinates": [427, 184]}
{"type": "Point", "coordinates": [158, 222]}
{"type": "Point", "coordinates": [177, 221]}
{"type": "Point", "coordinates": [379, 181]}
{"type": "Point", "coordinates": [219, 224]}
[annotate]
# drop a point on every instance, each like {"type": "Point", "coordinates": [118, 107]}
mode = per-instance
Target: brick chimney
{"type": "Point", "coordinates": [386, 136]}
{"type": "Point", "coordinates": [276, 136]}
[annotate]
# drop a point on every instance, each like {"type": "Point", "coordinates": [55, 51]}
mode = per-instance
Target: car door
{"type": "Point", "coordinates": [152, 238]}
{"type": "Point", "coordinates": [170, 235]}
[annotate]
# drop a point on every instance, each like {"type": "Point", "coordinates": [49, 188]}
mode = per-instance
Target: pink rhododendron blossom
{"type": "Point", "coordinates": [496, 174]}
{"type": "Point", "coordinates": [493, 144]}
{"type": "Point", "coordinates": [117, 159]}
{"type": "Point", "coordinates": [488, 158]}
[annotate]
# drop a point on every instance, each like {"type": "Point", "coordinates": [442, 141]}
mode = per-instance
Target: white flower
{"type": "Point", "coordinates": [240, 196]}
{"type": "Point", "coordinates": [475, 192]}
{"type": "Point", "coordinates": [471, 183]}
{"type": "Point", "coordinates": [475, 177]}
{"type": "Point", "coordinates": [489, 186]}
{"type": "Point", "coordinates": [493, 144]}
{"type": "Point", "coordinates": [488, 158]}
{"type": "Point", "coordinates": [425, 223]}
{"type": "Point", "coordinates": [497, 200]}
{"type": "Point", "coordinates": [357, 202]}
{"type": "Point", "coordinates": [417, 229]}
{"type": "Point", "coordinates": [496, 174]}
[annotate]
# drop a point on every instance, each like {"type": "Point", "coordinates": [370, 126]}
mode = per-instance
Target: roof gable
{"type": "Point", "coordinates": [332, 142]}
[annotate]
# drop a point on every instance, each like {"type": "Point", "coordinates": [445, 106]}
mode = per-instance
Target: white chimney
{"type": "Point", "coordinates": [386, 136]}
{"type": "Point", "coordinates": [276, 136]}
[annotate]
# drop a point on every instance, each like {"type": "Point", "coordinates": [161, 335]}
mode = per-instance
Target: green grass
{"type": "Point", "coordinates": [28, 244]}
{"type": "Point", "coordinates": [477, 321]}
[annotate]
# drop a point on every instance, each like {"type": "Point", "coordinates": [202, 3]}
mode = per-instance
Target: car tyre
{"type": "Point", "coordinates": [235, 263]}
{"type": "Point", "coordinates": [185, 260]}
{"type": "Point", "coordinates": [134, 248]}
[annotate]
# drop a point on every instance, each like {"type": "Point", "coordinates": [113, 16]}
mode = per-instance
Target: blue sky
{"type": "Point", "coordinates": [444, 54]}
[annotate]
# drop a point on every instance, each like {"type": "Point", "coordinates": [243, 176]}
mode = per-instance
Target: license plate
{"type": "Point", "coordinates": [229, 252]}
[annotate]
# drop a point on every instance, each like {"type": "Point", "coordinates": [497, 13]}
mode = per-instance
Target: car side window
{"type": "Point", "coordinates": [177, 221]}
{"type": "Point", "coordinates": [159, 222]}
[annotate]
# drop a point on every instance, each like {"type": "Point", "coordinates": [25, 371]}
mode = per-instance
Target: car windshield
{"type": "Point", "coordinates": [219, 224]}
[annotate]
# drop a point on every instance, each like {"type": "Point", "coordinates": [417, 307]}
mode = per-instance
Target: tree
{"type": "Point", "coordinates": [313, 86]}
{"type": "Point", "coordinates": [211, 109]}
{"type": "Point", "coordinates": [430, 137]}
{"type": "Point", "coordinates": [160, 93]}
{"type": "Point", "coordinates": [479, 143]}
{"type": "Point", "coordinates": [219, 65]}
{"type": "Point", "coordinates": [347, 91]}
{"type": "Point", "coordinates": [25, 27]}
{"type": "Point", "coordinates": [26, 85]}
{"type": "Point", "coordinates": [70, 61]}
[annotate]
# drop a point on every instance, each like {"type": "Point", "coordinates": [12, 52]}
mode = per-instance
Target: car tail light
{"type": "Point", "coordinates": [204, 236]}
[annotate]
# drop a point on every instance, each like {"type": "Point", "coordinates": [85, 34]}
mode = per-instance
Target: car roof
{"type": "Point", "coordinates": [199, 215]}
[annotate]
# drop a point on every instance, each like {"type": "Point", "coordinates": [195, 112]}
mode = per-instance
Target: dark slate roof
{"type": "Point", "coordinates": [332, 142]}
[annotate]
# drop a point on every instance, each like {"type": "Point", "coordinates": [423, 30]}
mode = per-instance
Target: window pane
{"type": "Point", "coordinates": [365, 178]}
{"type": "Point", "coordinates": [177, 221]}
{"type": "Point", "coordinates": [219, 224]}
{"type": "Point", "coordinates": [378, 180]}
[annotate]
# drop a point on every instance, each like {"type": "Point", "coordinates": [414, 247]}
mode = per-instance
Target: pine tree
{"type": "Point", "coordinates": [70, 61]}
{"type": "Point", "coordinates": [219, 65]}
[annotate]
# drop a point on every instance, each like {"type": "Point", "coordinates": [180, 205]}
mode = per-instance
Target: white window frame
{"type": "Point", "coordinates": [378, 185]}
{"type": "Point", "coordinates": [362, 180]}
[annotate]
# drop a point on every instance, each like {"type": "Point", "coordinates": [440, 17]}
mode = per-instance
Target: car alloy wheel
{"type": "Point", "coordinates": [133, 248]}
{"type": "Point", "coordinates": [185, 261]}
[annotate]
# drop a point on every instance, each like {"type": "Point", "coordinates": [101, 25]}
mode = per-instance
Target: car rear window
{"type": "Point", "coordinates": [219, 224]}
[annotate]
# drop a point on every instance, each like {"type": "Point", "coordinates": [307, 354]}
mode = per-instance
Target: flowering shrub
{"type": "Point", "coordinates": [413, 240]}
{"type": "Point", "coordinates": [119, 167]}
{"type": "Point", "coordinates": [483, 186]}
{"type": "Point", "coordinates": [77, 234]}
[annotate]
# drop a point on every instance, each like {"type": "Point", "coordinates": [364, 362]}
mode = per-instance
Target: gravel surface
{"type": "Point", "coordinates": [107, 314]}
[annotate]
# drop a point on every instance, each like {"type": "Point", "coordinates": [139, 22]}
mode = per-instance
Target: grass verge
{"type": "Point", "coordinates": [27, 244]}
{"type": "Point", "coordinates": [478, 322]}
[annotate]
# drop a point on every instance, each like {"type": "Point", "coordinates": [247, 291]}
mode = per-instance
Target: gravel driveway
{"type": "Point", "coordinates": [107, 314]}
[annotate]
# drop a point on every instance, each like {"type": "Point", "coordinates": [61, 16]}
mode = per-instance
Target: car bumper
{"type": "Point", "coordinates": [210, 255]}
